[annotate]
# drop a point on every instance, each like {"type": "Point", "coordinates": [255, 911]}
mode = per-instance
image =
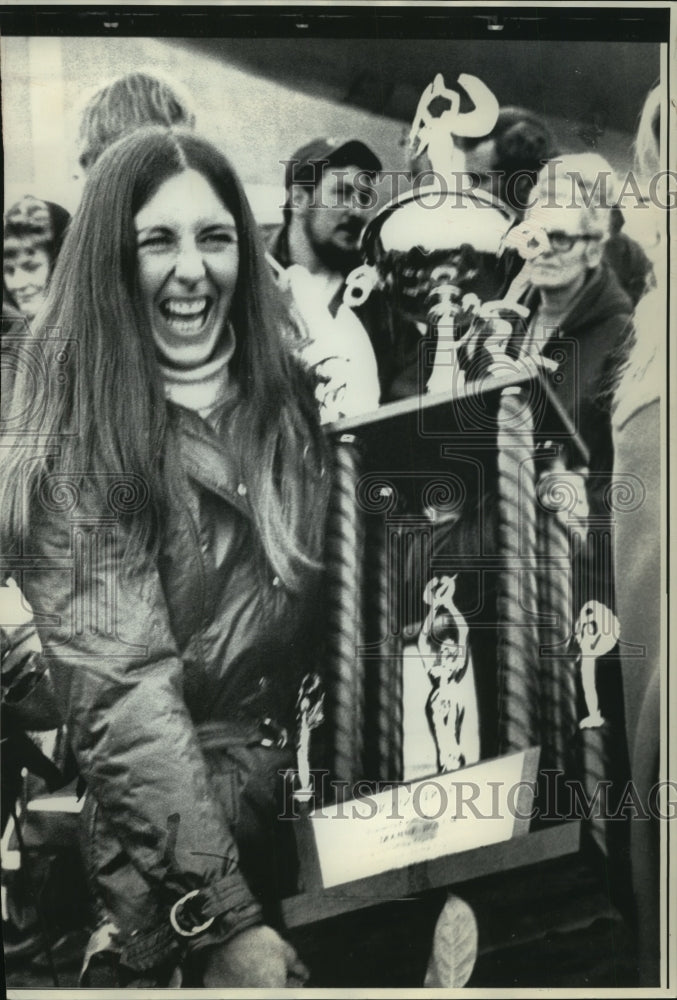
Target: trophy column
{"type": "Point", "coordinates": [516, 600]}
{"type": "Point", "coordinates": [383, 653]}
{"type": "Point", "coordinates": [556, 504]}
{"type": "Point", "coordinates": [344, 636]}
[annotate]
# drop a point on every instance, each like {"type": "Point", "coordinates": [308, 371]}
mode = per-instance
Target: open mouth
{"type": "Point", "coordinates": [186, 317]}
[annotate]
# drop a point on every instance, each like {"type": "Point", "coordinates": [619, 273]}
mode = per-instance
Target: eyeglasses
{"type": "Point", "coordinates": [530, 240]}
{"type": "Point", "coordinates": [561, 242]}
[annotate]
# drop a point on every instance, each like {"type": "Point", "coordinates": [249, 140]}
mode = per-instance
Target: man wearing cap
{"type": "Point", "coordinates": [329, 194]}
{"type": "Point", "coordinates": [329, 185]}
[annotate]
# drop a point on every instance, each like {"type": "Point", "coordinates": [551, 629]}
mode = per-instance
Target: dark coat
{"type": "Point", "coordinates": [591, 347]}
{"type": "Point", "coordinates": [630, 264]}
{"type": "Point", "coordinates": [147, 660]}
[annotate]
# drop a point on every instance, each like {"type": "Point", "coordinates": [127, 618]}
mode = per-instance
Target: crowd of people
{"type": "Point", "coordinates": [207, 365]}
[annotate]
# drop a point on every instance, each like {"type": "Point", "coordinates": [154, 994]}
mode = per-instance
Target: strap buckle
{"type": "Point", "coordinates": [174, 917]}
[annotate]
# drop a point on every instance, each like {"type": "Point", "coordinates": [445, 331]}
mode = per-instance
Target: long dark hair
{"type": "Point", "coordinates": [113, 417]}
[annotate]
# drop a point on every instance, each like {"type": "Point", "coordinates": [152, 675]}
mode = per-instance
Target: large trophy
{"type": "Point", "coordinates": [438, 259]}
{"type": "Point", "coordinates": [433, 289]}
{"type": "Point", "coordinates": [449, 652]}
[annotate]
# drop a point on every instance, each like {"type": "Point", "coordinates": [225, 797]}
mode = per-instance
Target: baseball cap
{"type": "Point", "coordinates": [328, 151]}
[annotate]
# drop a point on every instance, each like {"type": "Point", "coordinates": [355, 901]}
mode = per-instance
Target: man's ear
{"type": "Point", "coordinates": [301, 196]}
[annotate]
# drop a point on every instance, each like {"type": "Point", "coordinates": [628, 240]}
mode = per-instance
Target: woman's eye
{"type": "Point", "coordinates": [219, 239]}
{"type": "Point", "coordinates": [158, 241]}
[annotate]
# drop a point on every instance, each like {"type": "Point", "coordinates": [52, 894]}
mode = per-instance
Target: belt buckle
{"type": "Point", "coordinates": [174, 912]}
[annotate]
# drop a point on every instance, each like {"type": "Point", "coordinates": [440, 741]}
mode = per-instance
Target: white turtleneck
{"type": "Point", "coordinates": [203, 388]}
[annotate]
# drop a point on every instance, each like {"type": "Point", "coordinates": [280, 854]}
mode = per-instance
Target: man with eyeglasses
{"type": "Point", "coordinates": [581, 322]}
{"type": "Point", "coordinates": [580, 316]}
{"type": "Point", "coordinates": [506, 163]}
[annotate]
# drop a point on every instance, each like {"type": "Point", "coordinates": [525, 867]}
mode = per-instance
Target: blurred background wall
{"type": "Point", "coordinates": [259, 99]}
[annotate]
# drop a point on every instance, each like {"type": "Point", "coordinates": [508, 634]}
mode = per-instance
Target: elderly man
{"type": "Point", "coordinates": [506, 163]}
{"type": "Point", "coordinates": [579, 314]}
{"type": "Point", "coordinates": [582, 318]}
{"type": "Point", "coordinates": [580, 321]}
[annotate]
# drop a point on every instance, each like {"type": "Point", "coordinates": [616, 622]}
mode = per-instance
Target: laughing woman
{"type": "Point", "coordinates": [172, 505]}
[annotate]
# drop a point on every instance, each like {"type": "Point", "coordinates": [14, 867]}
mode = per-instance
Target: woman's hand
{"type": "Point", "coordinates": [258, 957]}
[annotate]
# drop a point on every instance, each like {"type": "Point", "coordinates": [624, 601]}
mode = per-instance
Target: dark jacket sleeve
{"type": "Point", "coordinates": [118, 677]}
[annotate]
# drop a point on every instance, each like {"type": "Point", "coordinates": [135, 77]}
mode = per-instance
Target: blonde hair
{"type": "Point", "coordinates": [647, 142]}
{"type": "Point", "coordinates": [641, 380]}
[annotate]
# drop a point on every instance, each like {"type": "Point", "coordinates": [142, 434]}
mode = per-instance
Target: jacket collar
{"type": "Point", "coordinates": [600, 297]}
{"type": "Point", "coordinates": [208, 460]}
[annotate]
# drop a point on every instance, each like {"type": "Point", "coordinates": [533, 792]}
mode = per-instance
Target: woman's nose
{"type": "Point", "coordinates": [189, 266]}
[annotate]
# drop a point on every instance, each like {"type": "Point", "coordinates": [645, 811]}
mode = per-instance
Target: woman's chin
{"type": "Point", "coordinates": [29, 312]}
{"type": "Point", "coordinates": [195, 352]}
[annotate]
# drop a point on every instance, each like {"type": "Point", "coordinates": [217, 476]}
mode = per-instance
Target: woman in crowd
{"type": "Point", "coordinates": [182, 516]}
{"type": "Point", "coordinates": [34, 753]}
{"type": "Point", "coordinates": [126, 103]}
{"type": "Point", "coordinates": [33, 234]}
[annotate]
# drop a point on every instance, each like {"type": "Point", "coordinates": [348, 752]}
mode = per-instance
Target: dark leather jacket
{"type": "Point", "coordinates": [145, 654]}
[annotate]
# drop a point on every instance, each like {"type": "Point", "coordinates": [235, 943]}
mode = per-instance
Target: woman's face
{"type": "Point", "coordinates": [187, 256]}
{"type": "Point", "coordinates": [26, 275]}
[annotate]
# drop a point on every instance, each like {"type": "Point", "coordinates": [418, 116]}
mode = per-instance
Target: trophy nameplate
{"type": "Point", "coordinates": [418, 821]}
